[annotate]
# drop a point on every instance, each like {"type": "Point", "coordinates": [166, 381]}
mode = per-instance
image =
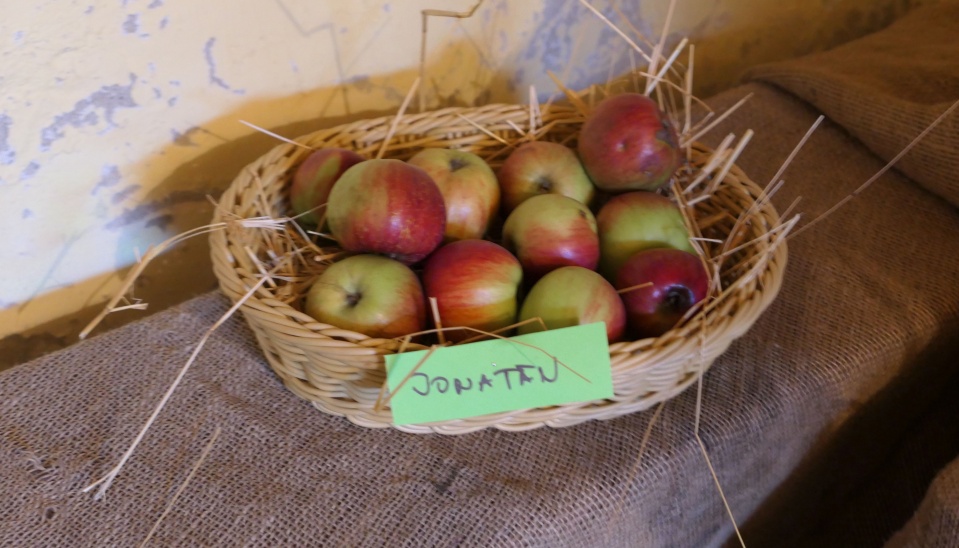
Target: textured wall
{"type": "Point", "coordinates": [118, 119]}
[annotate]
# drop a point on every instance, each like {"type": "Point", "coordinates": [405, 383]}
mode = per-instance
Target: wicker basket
{"type": "Point", "coordinates": [342, 372]}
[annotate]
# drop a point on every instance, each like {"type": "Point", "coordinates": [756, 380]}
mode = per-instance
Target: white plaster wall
{"type": "Point", "coordinates": [119, 118]}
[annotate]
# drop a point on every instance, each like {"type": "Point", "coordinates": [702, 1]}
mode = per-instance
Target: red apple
{"type": "Point", "coordinates": [635, 221]}
{"type": "Point", "coordinates": [678, 280]}
{"type": "Point", "coordinates": [387, 207]}
{"type": "Point", "coordinates": [475, 283]}
{"type": "Point", "coordinates": [314, 178]}
{"type": "Point", "coordinates": [542, 167]}
{"type": "Point", "coordinates": [549, 231]}
{"type": "Point", "coordinates": [573, 295]}
{"type": "Point", "coordinates": [469, 187]}
{"type": "Point", "coordinates": [369, 294]}
{"type": "Point", "coordinates": [628, 143]}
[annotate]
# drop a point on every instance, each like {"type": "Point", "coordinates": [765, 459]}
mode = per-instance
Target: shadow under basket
{"type": "Point", "coordinates": [342, 372]}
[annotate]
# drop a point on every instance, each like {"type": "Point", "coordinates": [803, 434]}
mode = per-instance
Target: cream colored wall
{"type": "Point", "coordinates": [118, 119]}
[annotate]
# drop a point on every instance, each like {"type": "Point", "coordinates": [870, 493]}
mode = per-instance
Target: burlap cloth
{"type": "Point", "coordinates": [861, 338]}
{"type": "Point", "coordinates": [886, 88]}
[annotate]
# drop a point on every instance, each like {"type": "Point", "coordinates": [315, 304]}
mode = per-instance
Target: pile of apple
{"type": "Point", "coordinates": [568, 236]}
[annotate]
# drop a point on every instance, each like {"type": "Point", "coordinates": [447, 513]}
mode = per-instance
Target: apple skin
{"type": "Point", "coordinates": [632, 222]}
{"type": "Point", "coordinates": [542, 167]}
{"type": "Point", "coordinates": [370, 294]}
{"type": "Point", "coordinates": [679, 281]}
{"type": "Point", "coordinates": [469, 187]}
{"type": "Point", "coordinates": [549, 231]}
{"type": "Point", "coordinates": [387, 207]}
{"type": "Point", "coordinates": [314, 178]}
{"type": "Point", "coordinates": [475, 284]}
{"type": "Point", "coordinates": [628, 143]}
{"type": "Point", "coordinates": [573, 295]}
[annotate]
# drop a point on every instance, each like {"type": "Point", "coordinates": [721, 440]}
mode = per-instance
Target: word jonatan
{"type": "Point", "coordinates": [506, 378]}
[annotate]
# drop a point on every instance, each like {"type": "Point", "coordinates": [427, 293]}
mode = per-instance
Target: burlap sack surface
{"type": "Point", "coordinates": [936, 523]}
{"type": "Point", "coordinates": [886, 88]}
{"type": "Point", "coordinates": [865, 292]}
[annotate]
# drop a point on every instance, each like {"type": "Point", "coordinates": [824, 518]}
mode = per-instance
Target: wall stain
{"type": "Point", "coordinates": [87, 112]}
{"type": "Point", "coordinates": [125, 193]}
{"type": "Point", "coordinates": [109, 176]}
{"type": "Point", "coordinates": [29, 171]}
{"type": "Point", "coordinates": [7, 154]}
{"type": "Point", "coordinates": [132, 24]}
{"type": "Point", "coordinates": [211, 68]}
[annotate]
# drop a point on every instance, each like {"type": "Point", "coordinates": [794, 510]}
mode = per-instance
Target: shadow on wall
{"type": "Point", "coordinates": [182, 200]}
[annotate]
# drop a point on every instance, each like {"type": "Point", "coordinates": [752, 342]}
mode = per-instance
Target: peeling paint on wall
{"type": "Point", "coordinates": [7, 154]}
{"type": "Point", "coordinates": [211, 68]}
{"type": "Point", "coordinates": [101, 104]}
{"type": "Point", "coordinates": [132, 24]}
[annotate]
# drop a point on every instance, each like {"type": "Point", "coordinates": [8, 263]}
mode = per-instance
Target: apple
{"type": "Point", "coordinates": [631, 222]}
{"type": "Point", "coordinates": [387, 207]}
{"type": "Point", "coordinates": [628, 143]}
{"type": "Point", "coordinates": [549, 231]}
{"type": "Point", "coordinates": [314, 178]}
{"type": "Point", "coordinates": [369, 294]}
{"type": "Point", "coordinates": [475, 284]}
{"type": "Point", "coordinates": [542, 167]}
{"type": "Point", "coordinates": [573, 295]}
{"type": "Point", "coordinates": [469, 187]}
{"type": "Point", "coordinates": [677, 281]}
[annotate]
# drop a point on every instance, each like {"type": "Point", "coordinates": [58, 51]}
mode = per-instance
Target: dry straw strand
{"type": "Point", "coordinates": [660, 46]}
{"type": "Point", "coordinates": [107, 480]}
{"type": "Point", "coordinates": [141, 264]}
{"type": "Point", "coordinates": [397, 118]}
{"type": "Point", "coordinates": [183, 486]}
{"type": "Point", "coordinates": [425, 15]}
{"type": "Point", "coordinates": [274, 135]}
{"type": "Point", "coordinates": [881, 172]}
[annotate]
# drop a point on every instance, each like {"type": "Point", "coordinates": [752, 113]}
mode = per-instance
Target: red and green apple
{"type": "Point", "coordinates": [469, 187]}
{"type": "Point", "coordinates": [549, 231]}
{"type": "Point", "coordinates": [314, 178]}
{"type": "Point", "coordinates": [628, 143]}
{"type": "Point", "coordinates": [369, 294]}
{"type": "Point", "coordinates": [388, 207]}
{"type": "Point", "coordinates": [573, 295]}
{"type": "Point", "coordinates": [631, 222]}
{"type": "Point", "coordinates": [543, 167]}
{"type": "Point", "coordinates": [475, 284]}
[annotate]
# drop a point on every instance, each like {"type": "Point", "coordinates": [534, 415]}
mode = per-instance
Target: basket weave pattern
{"type": "Point", "coordinates": [341, 372]}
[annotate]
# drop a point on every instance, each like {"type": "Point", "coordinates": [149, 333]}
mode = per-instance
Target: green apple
{"type": "Point", "coordinates": [542, 167]}
{"type": "Point", "coordinates": [635, 221]}
{"type": "Point", "coordinates": [573, 295]}
{"type": "Point", "coordinates": [369, 294]}
{"type": "Point", "coordinates": [469, 187]}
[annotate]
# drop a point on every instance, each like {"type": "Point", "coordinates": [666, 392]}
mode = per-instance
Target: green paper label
{"type": "Point", "coordinates": [535, 370]}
